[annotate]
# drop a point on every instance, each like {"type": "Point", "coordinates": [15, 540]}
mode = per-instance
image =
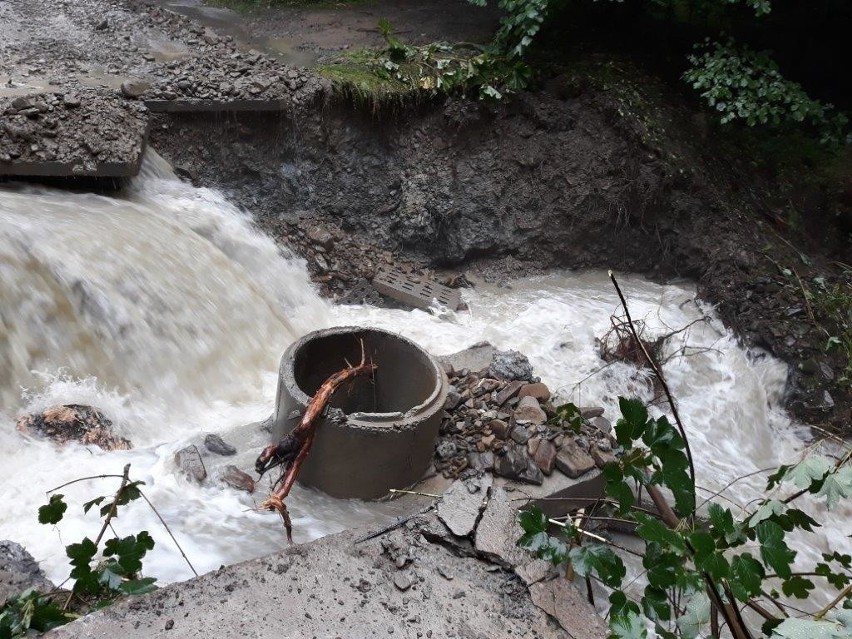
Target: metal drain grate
{"type": "Point", "coordinates": [414, 291]}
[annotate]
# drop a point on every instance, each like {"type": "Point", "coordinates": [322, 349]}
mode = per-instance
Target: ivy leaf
{"type": "Point", "coordinates": [776, 478]}
{"type": "Point", "coordinates": [797, 586]}
{"type": "Point", "coordinates": [138, 586]}
{"type": "Point", "coordinates": [747, 575]}
{"type": "Point", "coordinates": [52, 512]}
{"type": "Point", "coordinates": [600, 559]}
{"type": "Point", "coordinates": [792, 628]}
{"type": "Point", "coordinates": [773, 550]}
{"type": "Point", "coordinates": [811, 469]}
{"type": "Point", "coordinates": [660, 435]}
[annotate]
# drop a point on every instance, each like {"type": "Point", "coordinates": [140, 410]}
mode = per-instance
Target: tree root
{"type": "Point", "coordinates": [292, 450]}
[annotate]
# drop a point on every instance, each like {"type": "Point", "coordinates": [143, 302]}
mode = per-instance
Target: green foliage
{"type": "Point", "coordinates": [97, 581]}
{"type": "Point", "coordinates": [734, 554]}
{"type": "Point", "coordinates": [30, 610]}
{"type": "Point", "coordinates": [747, 85]}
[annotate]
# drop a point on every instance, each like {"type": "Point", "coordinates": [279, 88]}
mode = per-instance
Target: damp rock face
{"type": "Point", "coordinates": [19, 571]}
{"type": "Point", "coordinates": [73, 423]}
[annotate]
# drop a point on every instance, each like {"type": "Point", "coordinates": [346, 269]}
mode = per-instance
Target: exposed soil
{"type": "Point", "coordinates": [570, 176]}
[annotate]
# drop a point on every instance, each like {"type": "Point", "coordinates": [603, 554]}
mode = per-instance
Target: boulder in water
{"type": "Point", "coordinates": [73, 423]}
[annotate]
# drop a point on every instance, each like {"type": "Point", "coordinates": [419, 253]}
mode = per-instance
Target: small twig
{"type": "Point", "coordinates": [74, 481]}
{"type": "Point", "coordinates": [168, 530]}
{"type": "Point", "coordinates": [840, 597]}
{"type": "Point", "coordinates": [114, 506]}
{"type": "Point", "coordinates": [413, 492]}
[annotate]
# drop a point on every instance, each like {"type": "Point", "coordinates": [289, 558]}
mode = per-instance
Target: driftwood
{"type": "Point", "coordinates": [292, 449]}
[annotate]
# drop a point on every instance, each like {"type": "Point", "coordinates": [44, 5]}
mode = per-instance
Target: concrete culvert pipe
{"type": "Point", "coordinates": [379, 432]}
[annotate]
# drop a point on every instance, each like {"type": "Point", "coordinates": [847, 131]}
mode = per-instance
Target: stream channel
{"type": "Point", "coordinates": [164, 307]}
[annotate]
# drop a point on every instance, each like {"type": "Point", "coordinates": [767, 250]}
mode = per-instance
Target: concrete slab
{"type": "Point", "coordinates": [557, 493]}
{"type": "Point", "coordinates": [88, 133]}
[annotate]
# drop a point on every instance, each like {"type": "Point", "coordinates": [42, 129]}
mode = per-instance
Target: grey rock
{"type": "Point", "coordinates": [520, 435]}
{"type": "Point", "coordinates": [560, 599]}
{"type": "Point", "coordinates": [319, 234]}
{"type": "Point", "coordinates": [476, 358]}
{"type": "Point", "coordinates": [545, 456]}
{"type": "Point", "coordinates": [402, 581]}
{"type": "Point", "coordinates": [218, 446]}
{"type": "Point", "coordinates": [237, 479]}
{"type": "Point", "coordinates": [509, 391]}
{"type": "Point", "coordinates": [528, 411]}
{"type": "Point", "coordinates": [19, 571]}
{"type": "Point", "coordinates": [511, 365]}
{"type": "Point", "coordinates": [500, 428]}
{"type": "Point", "coordinates": [602, 424]}
{"type": "Point", "coordinates": [515, 464]}
{"type": "Point", "coordinates": [445, 449]}
{"type": "Point", "coordinates": [134, 88]}
{"type": "Point", "coordinates": [189, 463]}
{"type": "Point", "coordinates": [590, 412]}
{"type": "Point", "coordinates": [573, 461]}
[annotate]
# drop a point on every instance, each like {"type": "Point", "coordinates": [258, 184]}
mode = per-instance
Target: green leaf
{"type": "Point", "coordinates": [600, 559]}
{"type": "Point", "coordinates": [81, 554]}
{"type": "Point", "coordinates": [747, 575]}
{"type": "Point", "coordinates": [631, 426]}
{"type": "Point", "coordinates": [707, 558]}
{"type": "Point", "coordinates": [52, 512]}
{"type": "Point", "coordinates": [798, 587]}
{"type": "Point", "coordinates": [664, 568]}
{"type": "Point", "coordinates": [617, 488]}
{"type": "Point", "coordinates": [811, 469]}
{"type": "Point", "coordinates": [836, 486]}
{"type": "Point", "coordinates": [773, 550]}
{"type": "Point", "coordinates": [660, 436]}
{"type": "Point", "coordinates": [800, 519]}
{"type": "Point", "coordinates": [793, 628]}
{"type": "Point", "coordinates": [95, 502]}
{"type": "Point", "coordinates": [652, 529]}
{"type": "Point", "coordinates": [138, 586]}
{"type": "Point", "coordinates": [109, 578]}
{"type": "Point", "coordinates": [627, 626]}
{"type": "Point", "coordinates": [129, 551]}
{"type": "Point", "coordinates": [767, 510]}
{"type": "Point", "coordinates": [836, 579]}
{"type": "Point", "coordinates": [675, 476]}
{"type": "Point", "coordinates": [655, 604]}
{"type": "Point", "coordinates": [697, 615]}
{"type": "Point", "coordinates": [533, 520]}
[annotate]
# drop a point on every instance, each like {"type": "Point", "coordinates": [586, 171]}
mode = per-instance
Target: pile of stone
{"type": "Point", "coordinates": [82, 133]}
{"type": "Point", "coordinates": [237, 76]}
{"type": "Point", "coordinates": [502, 420]}
{"type": "Point", "coordinates": [189, 463]}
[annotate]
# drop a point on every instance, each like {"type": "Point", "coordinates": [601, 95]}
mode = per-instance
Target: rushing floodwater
{"type": "Point", "coordinates": [167, 310]}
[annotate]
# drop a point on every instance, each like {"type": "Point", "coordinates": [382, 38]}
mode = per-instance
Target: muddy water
{"type": "Point", "coordinates": [165, 308]}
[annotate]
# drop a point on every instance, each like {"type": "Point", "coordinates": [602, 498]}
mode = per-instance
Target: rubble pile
{"type": "Point", "coordinates": [504, 421]}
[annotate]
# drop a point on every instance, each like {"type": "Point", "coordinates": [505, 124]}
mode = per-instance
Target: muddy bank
{"type": "Point", "coordinates": [572, 176]}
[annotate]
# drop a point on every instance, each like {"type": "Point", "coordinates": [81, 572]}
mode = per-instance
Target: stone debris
{"type": "Point", "coordinates": [458, 510]}
{"type": "Point", "coordinates": [73, 423]}
{"type": "Point", "coordinates": [237, 479]}
{"type": "Point", "coordinates": [508, 429]}
{"type": "Point", "coordinates": [190, 465]}
{"type": "Point", "coordinates": [81, 133]}
{"type": "Point", "coordinates": [511, 365]}
{"type": "Point", "coordinates": [218, 446]}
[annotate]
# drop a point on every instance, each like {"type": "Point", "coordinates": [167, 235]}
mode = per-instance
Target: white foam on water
{"type": "Point", "coordinates": [166, 309]}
